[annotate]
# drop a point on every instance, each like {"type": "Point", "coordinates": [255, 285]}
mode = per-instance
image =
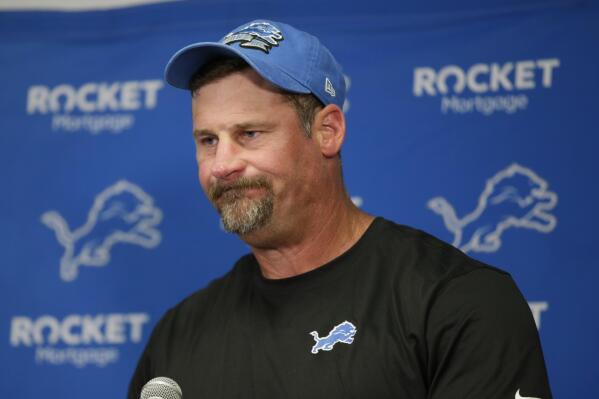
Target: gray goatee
{"type": "Point", "coordinates": [239, 214]}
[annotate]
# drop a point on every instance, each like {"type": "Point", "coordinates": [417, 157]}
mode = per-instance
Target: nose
{"type": "Point", "coordinates": [227, 163]}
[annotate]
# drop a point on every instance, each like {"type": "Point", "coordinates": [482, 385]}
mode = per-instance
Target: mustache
{"type": "Point", "coordinates": [243, 183]}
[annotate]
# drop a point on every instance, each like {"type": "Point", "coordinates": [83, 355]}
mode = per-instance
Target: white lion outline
{"type": "Point", "coordinates": [481, 229]}
{"type": "Point", "coordinates": [122, 213]}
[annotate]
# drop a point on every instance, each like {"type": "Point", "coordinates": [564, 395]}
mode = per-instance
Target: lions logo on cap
{"type": "Point", "coordinates": [260, 35]}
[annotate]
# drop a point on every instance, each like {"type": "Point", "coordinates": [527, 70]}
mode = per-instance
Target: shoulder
{"type": "Point", "coordinates": [431, 278]}
{"type": "Point", "coordinates": [423, 258]}
{"type": "Point", "coordinates": [208, 302]}
{"type": "Point", "coordinates": [180, 327]}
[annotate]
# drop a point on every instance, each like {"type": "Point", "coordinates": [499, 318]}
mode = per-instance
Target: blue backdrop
{"type": "Point", "coordinates": [474, 122]}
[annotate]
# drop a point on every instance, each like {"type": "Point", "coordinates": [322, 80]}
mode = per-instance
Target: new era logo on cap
{"type": "Point", "coordinates": [328, 87]}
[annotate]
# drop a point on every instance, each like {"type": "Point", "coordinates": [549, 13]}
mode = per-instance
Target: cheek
{"type": "Point", "coordinates": [273, 166]}
{"type": "Point", "coordinates": [204, 175]}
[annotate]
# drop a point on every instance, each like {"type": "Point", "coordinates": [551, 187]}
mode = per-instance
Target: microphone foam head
{"type": "Point", "coordinates": [161, 388]}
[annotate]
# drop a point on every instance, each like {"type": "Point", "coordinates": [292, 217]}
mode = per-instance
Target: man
{"type": "Point", "coordinates": [331, 302]}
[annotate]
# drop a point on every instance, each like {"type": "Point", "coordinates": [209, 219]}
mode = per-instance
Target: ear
{"type": "Point", "coordinates": [329, 130]}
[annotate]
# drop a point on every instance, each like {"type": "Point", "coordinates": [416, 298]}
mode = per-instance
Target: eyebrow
{"type": "Point", "coordinates": [202, 132]}
{"type": "Point", "coordinates": [252, 125]}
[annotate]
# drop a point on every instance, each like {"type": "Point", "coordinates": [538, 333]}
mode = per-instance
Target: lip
{"type": "Point", "coordinates": [239, 193]}
{"type": "Point", "coordinates": [251, 192]}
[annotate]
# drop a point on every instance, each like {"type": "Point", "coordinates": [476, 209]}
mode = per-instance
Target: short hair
{"type": "Point", "coordinates": [306, 105]}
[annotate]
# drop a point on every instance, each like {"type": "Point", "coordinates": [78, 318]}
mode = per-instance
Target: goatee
{"type": "Point", "coordinates": [240, 214]}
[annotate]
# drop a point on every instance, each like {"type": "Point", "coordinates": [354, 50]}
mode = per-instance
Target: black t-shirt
{"type": "Point", "coordinates": [399, 315]}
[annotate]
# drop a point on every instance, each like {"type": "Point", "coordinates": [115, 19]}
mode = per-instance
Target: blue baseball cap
{"type": "Point", "coordinates": [289, 58]}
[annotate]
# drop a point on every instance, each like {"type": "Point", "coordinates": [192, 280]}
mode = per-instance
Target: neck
{"type": "Point", "coordinates": [324, 235]}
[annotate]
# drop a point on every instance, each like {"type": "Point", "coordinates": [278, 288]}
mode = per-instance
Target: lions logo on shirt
{"type": "Point", "coordinates": [259, 35]}
{"type": "Point", "coordinates": [343, 333]}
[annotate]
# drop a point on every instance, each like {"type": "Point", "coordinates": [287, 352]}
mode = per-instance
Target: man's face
{"type": "Point", "coordinates": [255, 163]}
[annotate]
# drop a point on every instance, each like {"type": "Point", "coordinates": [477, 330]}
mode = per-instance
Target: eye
{"type": "Point", "coordinates": [208, 141]}
{"type": "Point", "coordinates": [250, 134]}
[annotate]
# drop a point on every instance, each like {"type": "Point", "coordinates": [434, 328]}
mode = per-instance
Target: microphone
{"type": "Point", "coordinates": [161, 388]}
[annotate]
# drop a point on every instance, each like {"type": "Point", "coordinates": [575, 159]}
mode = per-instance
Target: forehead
{"type": "Point", "coordinates": [236, 94]}
{"type": "Point", "coordinates": [236, 83]}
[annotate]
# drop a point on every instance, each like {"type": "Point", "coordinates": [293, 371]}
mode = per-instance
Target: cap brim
{"type": "Point", "coordinates": [187, 61]}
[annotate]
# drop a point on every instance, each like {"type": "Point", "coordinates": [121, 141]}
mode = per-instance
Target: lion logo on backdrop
{"type": "Point", "coordinates": [515, 197]}
{"type": "Point", "coordinates": [259, 35]}
{"type": "Point", "coordinates": [122, 213]}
